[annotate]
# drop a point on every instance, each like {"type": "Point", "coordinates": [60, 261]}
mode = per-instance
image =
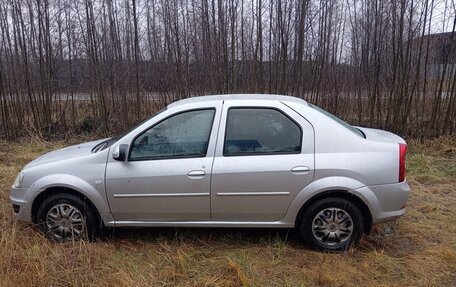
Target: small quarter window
{"type": "Point", "coordinates": [251, 131]}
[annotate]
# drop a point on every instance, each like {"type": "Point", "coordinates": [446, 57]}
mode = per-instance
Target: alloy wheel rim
{"type": "Point", "coordinates": [65, 221]}
{"type": "Point", "coordinates": [332, 226]}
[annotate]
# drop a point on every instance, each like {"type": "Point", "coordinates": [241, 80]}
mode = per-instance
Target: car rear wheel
{"type": "Point", "coordinates": [65, 217]}
{"type": "Point", "coordinates": [331, 224]}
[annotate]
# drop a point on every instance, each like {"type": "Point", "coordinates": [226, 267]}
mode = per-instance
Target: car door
{"type": "Point", "coordinates": [167, 174]}
{"type": "Point", "coordinates": [264, 157]}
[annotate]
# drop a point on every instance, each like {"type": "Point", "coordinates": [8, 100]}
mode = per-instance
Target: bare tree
{"type": "Point", "coordinates": [99, 66]}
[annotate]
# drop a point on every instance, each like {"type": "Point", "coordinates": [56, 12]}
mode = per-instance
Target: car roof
{"type": "Point", "coordinates": [258, 97]}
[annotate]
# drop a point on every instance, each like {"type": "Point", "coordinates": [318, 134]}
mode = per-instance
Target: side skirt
{"type": "Point", "coordinates": [135, 223]}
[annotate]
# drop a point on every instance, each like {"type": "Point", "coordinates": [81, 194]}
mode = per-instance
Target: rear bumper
{"type": "Point", "coordinates": [387, 201]}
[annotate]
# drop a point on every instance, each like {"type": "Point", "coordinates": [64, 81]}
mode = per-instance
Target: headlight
{"type": "Point", "coordinates": [18, 181]}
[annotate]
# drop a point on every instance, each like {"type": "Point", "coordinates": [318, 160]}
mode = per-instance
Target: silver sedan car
{"type": "Point", "coordinates": [223, 161]}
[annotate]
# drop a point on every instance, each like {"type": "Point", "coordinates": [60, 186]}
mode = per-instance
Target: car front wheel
{"type": "Point", "coordinates": [66, 217]}
{"type": "Point", "coordinates": [331, 224]}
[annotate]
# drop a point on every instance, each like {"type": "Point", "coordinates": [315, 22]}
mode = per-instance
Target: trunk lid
{"type": "Point", "coordinates": [381, 135]}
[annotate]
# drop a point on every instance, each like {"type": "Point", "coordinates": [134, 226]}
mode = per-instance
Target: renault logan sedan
{"type": "Point", "coordinates": [223, 161]}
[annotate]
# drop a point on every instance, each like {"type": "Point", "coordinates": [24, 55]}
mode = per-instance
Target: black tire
{"type": "Point", "coordinates": [89, 223]}
{"type": "Point", "coordinates": [337, 207]}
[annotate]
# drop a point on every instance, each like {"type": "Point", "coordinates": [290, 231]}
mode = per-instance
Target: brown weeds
{"type": "Point", "coordinates": [419, 249]}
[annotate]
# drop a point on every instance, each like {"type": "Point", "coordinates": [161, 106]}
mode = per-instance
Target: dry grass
{"type": "Point", "coordinates": [419, 249]}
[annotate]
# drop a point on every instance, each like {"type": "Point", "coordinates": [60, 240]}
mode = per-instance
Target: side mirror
{"type": "Point", "coordinates": [120, 153]}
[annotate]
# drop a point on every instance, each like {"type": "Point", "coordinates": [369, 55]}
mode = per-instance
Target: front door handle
{"type": "Point", "coordinates": [300, 169]}
{"type": "Point", "coordinates": [196, 174]}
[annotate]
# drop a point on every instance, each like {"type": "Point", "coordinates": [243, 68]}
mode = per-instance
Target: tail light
{"type": "Point", "coordinates": [402, 152]}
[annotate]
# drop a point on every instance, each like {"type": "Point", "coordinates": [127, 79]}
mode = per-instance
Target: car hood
{"type": "Point", "coordinates": [381, 135]}
{"type": "Point", "coordinates": [65, 153]}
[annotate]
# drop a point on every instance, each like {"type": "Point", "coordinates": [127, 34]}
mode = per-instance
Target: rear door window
{"type": "Point", "coordinates": [255, 131]}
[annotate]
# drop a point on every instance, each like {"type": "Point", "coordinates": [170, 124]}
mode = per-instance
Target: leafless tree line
{"type": "Point", "coordinates": [104, 65]}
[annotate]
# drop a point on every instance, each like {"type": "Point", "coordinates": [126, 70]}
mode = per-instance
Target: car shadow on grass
{"type": "Point", "coordinates": [382, 237]}
{"type": "Point", "coordinates": [205, 236]}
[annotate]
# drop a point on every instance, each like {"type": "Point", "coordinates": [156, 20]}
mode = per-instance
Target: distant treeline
{"type": "Point", "coordinates": [388, 64]}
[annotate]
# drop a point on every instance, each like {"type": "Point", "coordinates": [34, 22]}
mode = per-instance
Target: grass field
{"type": "Point", "coordinates": [419, 249]}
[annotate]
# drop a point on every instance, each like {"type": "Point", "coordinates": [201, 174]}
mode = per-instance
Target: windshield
{"type": "Point", "coordinates": [109, 142]}
{"type": "Point", "coordinates": [345, 124]}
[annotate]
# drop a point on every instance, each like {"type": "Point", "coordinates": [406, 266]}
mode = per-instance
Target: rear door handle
{"type": "Point", "coordinates": [196, 174]}
{"type": "Point", "coordinates": [300, 169]}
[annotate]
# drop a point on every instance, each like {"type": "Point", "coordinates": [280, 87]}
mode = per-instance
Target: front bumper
{"type": "Point", "coordinates": [22, 208]}
{"type": "Point", "coordinates": [387, 201]}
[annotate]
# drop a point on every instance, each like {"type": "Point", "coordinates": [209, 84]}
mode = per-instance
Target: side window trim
{"type": "Point", "coordinates": [261, 153]}
{"type": "Point", "coordinates": [129, 159]}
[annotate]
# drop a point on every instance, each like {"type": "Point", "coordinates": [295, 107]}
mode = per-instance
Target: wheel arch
{"type": "Point", "coordinates": [63, 190]}
{"type": "Point", "coordinates": [365, 211]}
